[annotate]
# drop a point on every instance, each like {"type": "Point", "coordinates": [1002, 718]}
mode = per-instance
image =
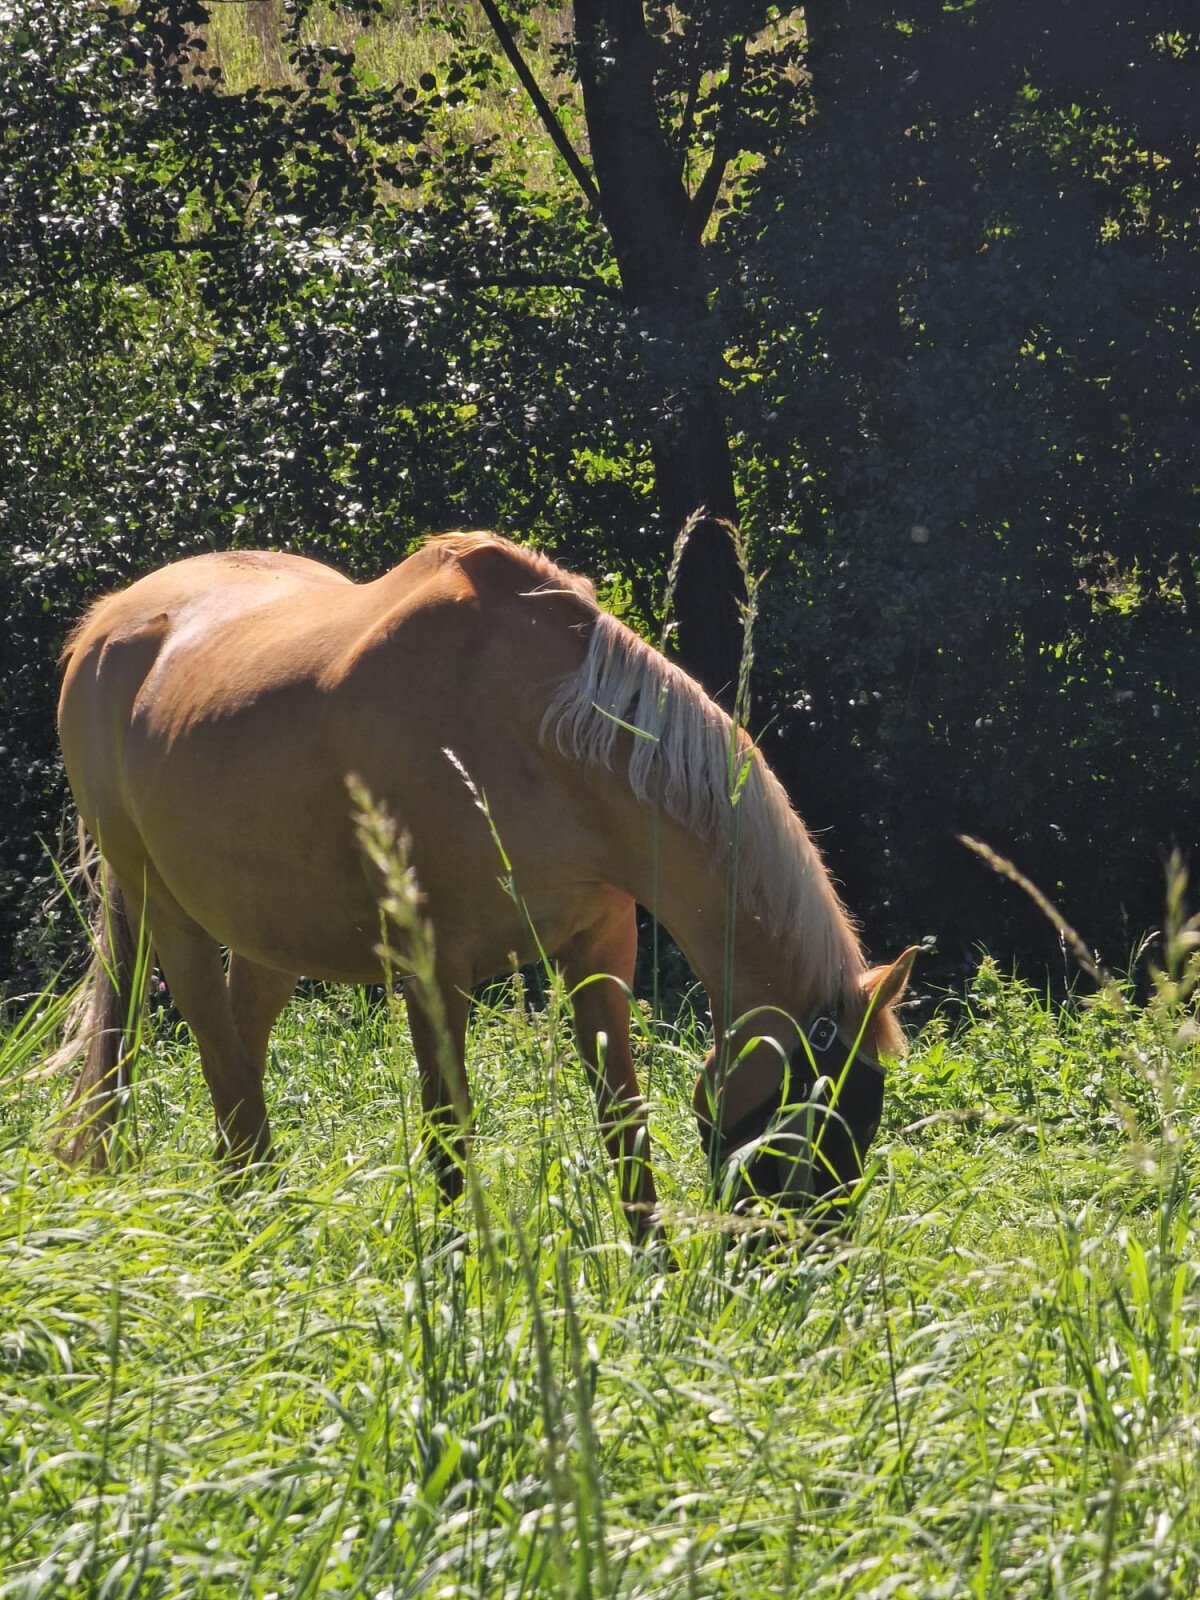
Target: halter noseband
{"type": "Point", "coordinates": [822, 1033]}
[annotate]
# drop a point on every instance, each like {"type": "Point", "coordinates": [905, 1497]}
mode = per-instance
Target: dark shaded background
{"type": "Point", "coordinates": [959, 314]}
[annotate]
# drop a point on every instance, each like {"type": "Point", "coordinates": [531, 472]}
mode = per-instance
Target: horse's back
{"type": "Point", "coordinates": [223, 616]}
{"type": "Point", "coordinates": [211, 713]}
{"type": "Point", "coordinates": [169, 592]}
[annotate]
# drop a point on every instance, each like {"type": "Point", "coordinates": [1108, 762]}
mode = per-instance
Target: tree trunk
{"type": "Point", "coordinates": [656, 236]}
{"type": "Point", "coordinates": [265, 19]}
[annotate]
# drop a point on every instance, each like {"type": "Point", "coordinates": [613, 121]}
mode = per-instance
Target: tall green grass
{"type": "Point", "coordinates": [322, 1386]}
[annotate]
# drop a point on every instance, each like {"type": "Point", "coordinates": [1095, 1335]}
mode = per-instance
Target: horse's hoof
{"type": "Point", "coordinates": [241, 1171]}
{"type": "Point", "coordinates": [448, 1241]}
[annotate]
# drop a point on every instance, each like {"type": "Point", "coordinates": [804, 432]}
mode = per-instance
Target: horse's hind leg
{"type": "Point", "coordinates": [257, 995]}
{"type": "Point", "coordinates": [195, 974]}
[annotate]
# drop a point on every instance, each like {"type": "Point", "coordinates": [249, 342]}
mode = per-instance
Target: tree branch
{"type": "Point", "coordinates": [724, 146]}
{"type": "Point", "coordinates": [540, 280]}
{"type": "Point", "coordinates": [542, 106]}
{"type": "Point", "coordinates": [14, 306]}
{"type": "Point", "coordinates": [688, 120]}
{"type": "Point", "coordinates": [577, 283]}
{"type": "Point", "coordinates": [55, 281]}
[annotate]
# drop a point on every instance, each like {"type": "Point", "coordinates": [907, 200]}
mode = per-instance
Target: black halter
{"type": "Point", "coordinates": [856, 1112]}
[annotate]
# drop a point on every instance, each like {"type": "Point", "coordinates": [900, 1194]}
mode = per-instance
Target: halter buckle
{"type": "Point", "coordinates": [822, 1034]}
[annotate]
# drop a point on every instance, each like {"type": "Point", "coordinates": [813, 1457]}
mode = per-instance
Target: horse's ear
{"type": "Point", "coordinates": [887, 984]}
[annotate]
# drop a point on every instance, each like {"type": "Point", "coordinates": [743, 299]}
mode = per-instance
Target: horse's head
{"type": "Point", "coordinates": [802, 1102]}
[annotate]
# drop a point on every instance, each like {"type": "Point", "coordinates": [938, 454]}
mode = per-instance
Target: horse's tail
{"type": "Point", "coordinates": [103, 1024]}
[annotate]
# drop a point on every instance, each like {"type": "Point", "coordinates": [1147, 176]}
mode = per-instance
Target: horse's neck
{"type": "Point", "coordinates": [777, 935]}
{"type": "Point", "coordinates": [743, 964]}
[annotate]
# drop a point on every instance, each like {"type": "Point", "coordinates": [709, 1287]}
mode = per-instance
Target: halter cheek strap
{"type": "Point", "coordinates": [822, 1033]}
{"type": "Point", "coordinates": [721, 1141]}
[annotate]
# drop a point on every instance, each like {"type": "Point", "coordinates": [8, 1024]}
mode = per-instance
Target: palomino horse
{"type": "Point", "coordinates": [209, 718]}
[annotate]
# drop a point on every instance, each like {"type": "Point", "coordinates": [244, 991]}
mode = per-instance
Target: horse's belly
{"type": "Point", "coordinates": [322, 918]}
{"type": "Point", "coordinates": [306, 909]}
{"type": "Point", "coordinates": [259, 848]}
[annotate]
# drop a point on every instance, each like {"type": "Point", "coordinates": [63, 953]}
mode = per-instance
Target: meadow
{"type": "Point", "coordinates": [321, 1386]}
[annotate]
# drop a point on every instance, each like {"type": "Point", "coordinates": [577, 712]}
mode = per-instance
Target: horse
{"type": "Point", "coordinates": [209, 718]}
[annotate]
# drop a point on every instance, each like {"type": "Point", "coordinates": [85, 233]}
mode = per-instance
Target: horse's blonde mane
{"type": "Point", "coordinates": [684, 756]}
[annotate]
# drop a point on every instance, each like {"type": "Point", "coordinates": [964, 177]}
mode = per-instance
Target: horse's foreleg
{"type": "Point", "coordinates": [594, 958]}
{"type": "Point", "coordinates": [191, 962]}
{"type": "Point", "coordinates": [440, 1046]}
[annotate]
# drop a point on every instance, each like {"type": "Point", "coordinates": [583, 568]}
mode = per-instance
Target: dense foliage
{"type": "Point", "coordinates": [947, 324]}
{"type": "Point", "coordinates": [984, 264]}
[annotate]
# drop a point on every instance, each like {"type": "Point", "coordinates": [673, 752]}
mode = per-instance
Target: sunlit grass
{"type": "Point", "coordinates": [395, 47]}
{"type": "Point", "coordinates": [313, 1387]}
